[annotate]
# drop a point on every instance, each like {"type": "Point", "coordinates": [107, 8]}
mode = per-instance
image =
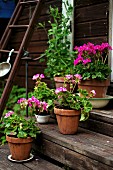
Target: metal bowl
{"type": "Point", "coordinates": [100, 102]}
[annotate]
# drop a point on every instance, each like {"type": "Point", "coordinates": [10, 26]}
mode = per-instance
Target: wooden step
{"type": "Point", "coordinates": [7, 51]}
{"type": "Point", "coordinates": [18, 26]}
{"type": "Point", "coordinates": [100, 121]}
{"type": "Point", "coordinates": [37, 163]}
{"type": "Point", "coordinates": [84, 150]}
{"type": "Point", "coordinates": [28, 2]}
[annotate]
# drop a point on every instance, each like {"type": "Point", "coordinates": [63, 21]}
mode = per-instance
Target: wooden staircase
{"type": "Point", "coordinates": [12, 28]}
{"type": "Point", "coordinates": [90, 149]}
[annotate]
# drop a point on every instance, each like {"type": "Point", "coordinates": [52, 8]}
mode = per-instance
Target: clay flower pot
{"type": "Point", "coordinates": [59, 82]}
{"type": "Point", "coordinates": [100, 87]}
{"type": "Point", "coordinates": [68, 120]}
{"type": "Point", "coordinates": [19, 147]}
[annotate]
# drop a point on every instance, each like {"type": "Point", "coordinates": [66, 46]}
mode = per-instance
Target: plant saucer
{"type": "Point", "coordinates": [20, 161]}
{"type": "Point", "coordinates": [100, 102]}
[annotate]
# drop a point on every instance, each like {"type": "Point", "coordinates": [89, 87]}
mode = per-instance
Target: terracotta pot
{"type": "Point", "coordinates": [68, 120]}
{"type": "Point", "coordinates": [100, 87]}
{"type": "Point", "coordinates": [19, 147]}
{"type": "Point", "coordinates": [59, 82]}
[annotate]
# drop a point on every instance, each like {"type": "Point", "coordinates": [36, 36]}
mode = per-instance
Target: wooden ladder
{"type": "Point", "coordinates": [29, 29]}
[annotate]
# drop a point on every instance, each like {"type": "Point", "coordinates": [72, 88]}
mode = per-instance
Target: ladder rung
{"type": "Point", "coordinates": [7, 51]}
{"type": "Point", "coordinates": [18, 26]}
{"type": "Point", "coordinates": [27, 2]}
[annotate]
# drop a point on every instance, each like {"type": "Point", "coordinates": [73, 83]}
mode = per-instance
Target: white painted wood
{"type": "Point", "coordinates": [111, 36]}
{"type": "Point", "coordinates": [71, 21]}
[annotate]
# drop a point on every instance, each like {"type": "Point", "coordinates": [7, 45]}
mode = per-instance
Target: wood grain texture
{"type": "Point", "coordinates": [91, 22]}
{"type": "Point", "coordinates": [88, 144]}
{"type": "Point", "coordinates": [36, 163]}
{"type": "Point", "coordinates": [88, 2]}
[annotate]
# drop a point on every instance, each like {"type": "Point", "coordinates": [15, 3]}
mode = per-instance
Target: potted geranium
{"type": "Point", "coordinates": [70, 107]}
{"type": "Point", "coordinates": [19, 132]}
{"type": "Point", "coordinates": [58, 55]}
{"type": "Point", "coordinates": [92, 63]}
{"type": "Point", "coordinates": [41, 100]}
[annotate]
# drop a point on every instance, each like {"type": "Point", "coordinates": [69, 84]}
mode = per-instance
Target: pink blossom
{"type": "Point", "coordinates": [38, 76]}
{"type": "Point", "coordinates": [69, 76]}
{"type": "Point", "coordinates": [60, 89]}
{"type": "Point", "coordinates": [78, 76]}
{"type": "Point", "coordinates": [35, 76]}
{"type": "Point", "coordinates": [44, 105]}
{"type": "Point", "coordinates": [88, 60]}
{"type": "Point", "coordinates": [106, 46]}
{"type": "Point", "coordinates": [78, 60]}
{"type": "Point", "coordinates": [92, 92]}
{"type": "Point", "coordinates": [33, 100]}
{"type": "Point", "coordinates": [21, 100]}
{"type": "Point", "coordinates": [8, 114]}
{"type": "Point", "coordinates": [42, 76]}
{"type": "Point", "coordinates": [76, 48]}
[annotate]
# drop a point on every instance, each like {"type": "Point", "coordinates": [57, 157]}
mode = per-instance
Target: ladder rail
{"type": "Point", "coordinates": [13, 19]}
{"type": "Point", "coordinates": [27, 2]}
{"type": "Point", "coordinates": [17, 62]}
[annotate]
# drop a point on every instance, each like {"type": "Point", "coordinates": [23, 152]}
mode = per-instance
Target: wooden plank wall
{"type": "Point", "coordinates": [37, 45]}
{"type": "Point", "coordinates": [90, 24]}
{"type": "Point", "coordinates": [3, 24]}
{"type": "Point", "coordinates": [91, 21]}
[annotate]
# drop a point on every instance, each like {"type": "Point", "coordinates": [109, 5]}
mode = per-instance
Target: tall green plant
{"type": "Point", "coordinates": [59, 55]}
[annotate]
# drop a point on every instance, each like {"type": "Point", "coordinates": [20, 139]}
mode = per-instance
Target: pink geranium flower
{"type": "Point", "coordinates": [35, 76]}
{"type": "Point", "coordinates": [38, 76]}
{"type": "Point", "coordinates": [91, 61]}
{"type": "Point", "coordinates": [21, 100]}
{"type": "Point", "coordinates": [8, 114]}
{"type": "Point", "coordinates": [88, 60]}
{"type": "Point", "coordinates": [78, 60]}
{"type": "Point", "coordinates": [69, 76]}
{"type": "Point", "coordinates": [78, 76]}
{"type": "Point", "coordinates": [60, 89]}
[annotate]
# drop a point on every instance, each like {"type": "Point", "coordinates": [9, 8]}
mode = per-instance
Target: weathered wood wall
{"type": "Point", "coordinates": [91, 21]}
{"type": "Point", "coordinates": [90, 24]}
{"type": "Point", "coordinates": [37, 45]}
{"type": "Point", "coordinates": [3, 24]}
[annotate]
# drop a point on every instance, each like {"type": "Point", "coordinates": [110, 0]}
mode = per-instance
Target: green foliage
{"type": "Point", "coordinates": [98, 71]}
{"type": "Point", "coordinates": [43, 93]}
{"type": "Point", "coordinates": [59, 55]}
{"type": "Point", "coordinates": [67, 99]}
{"type": "Point", "coordinates": [16, 125]}
{"type": "Point", "coordinates": [16, 93]}
{"type": "Point", "coordinates": [91, 61]}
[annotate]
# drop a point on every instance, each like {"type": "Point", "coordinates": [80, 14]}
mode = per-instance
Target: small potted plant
{"type": "Point", "coordinates": [70, 107]}
{"type": "Point", "coordinates": [59, 56]}
{"type": "Point", "coordinates": [20, 133]}
{"type": "Point", "coordinates": [91, 62]}
{"type": "Point", "coordinates": [41, 100]}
